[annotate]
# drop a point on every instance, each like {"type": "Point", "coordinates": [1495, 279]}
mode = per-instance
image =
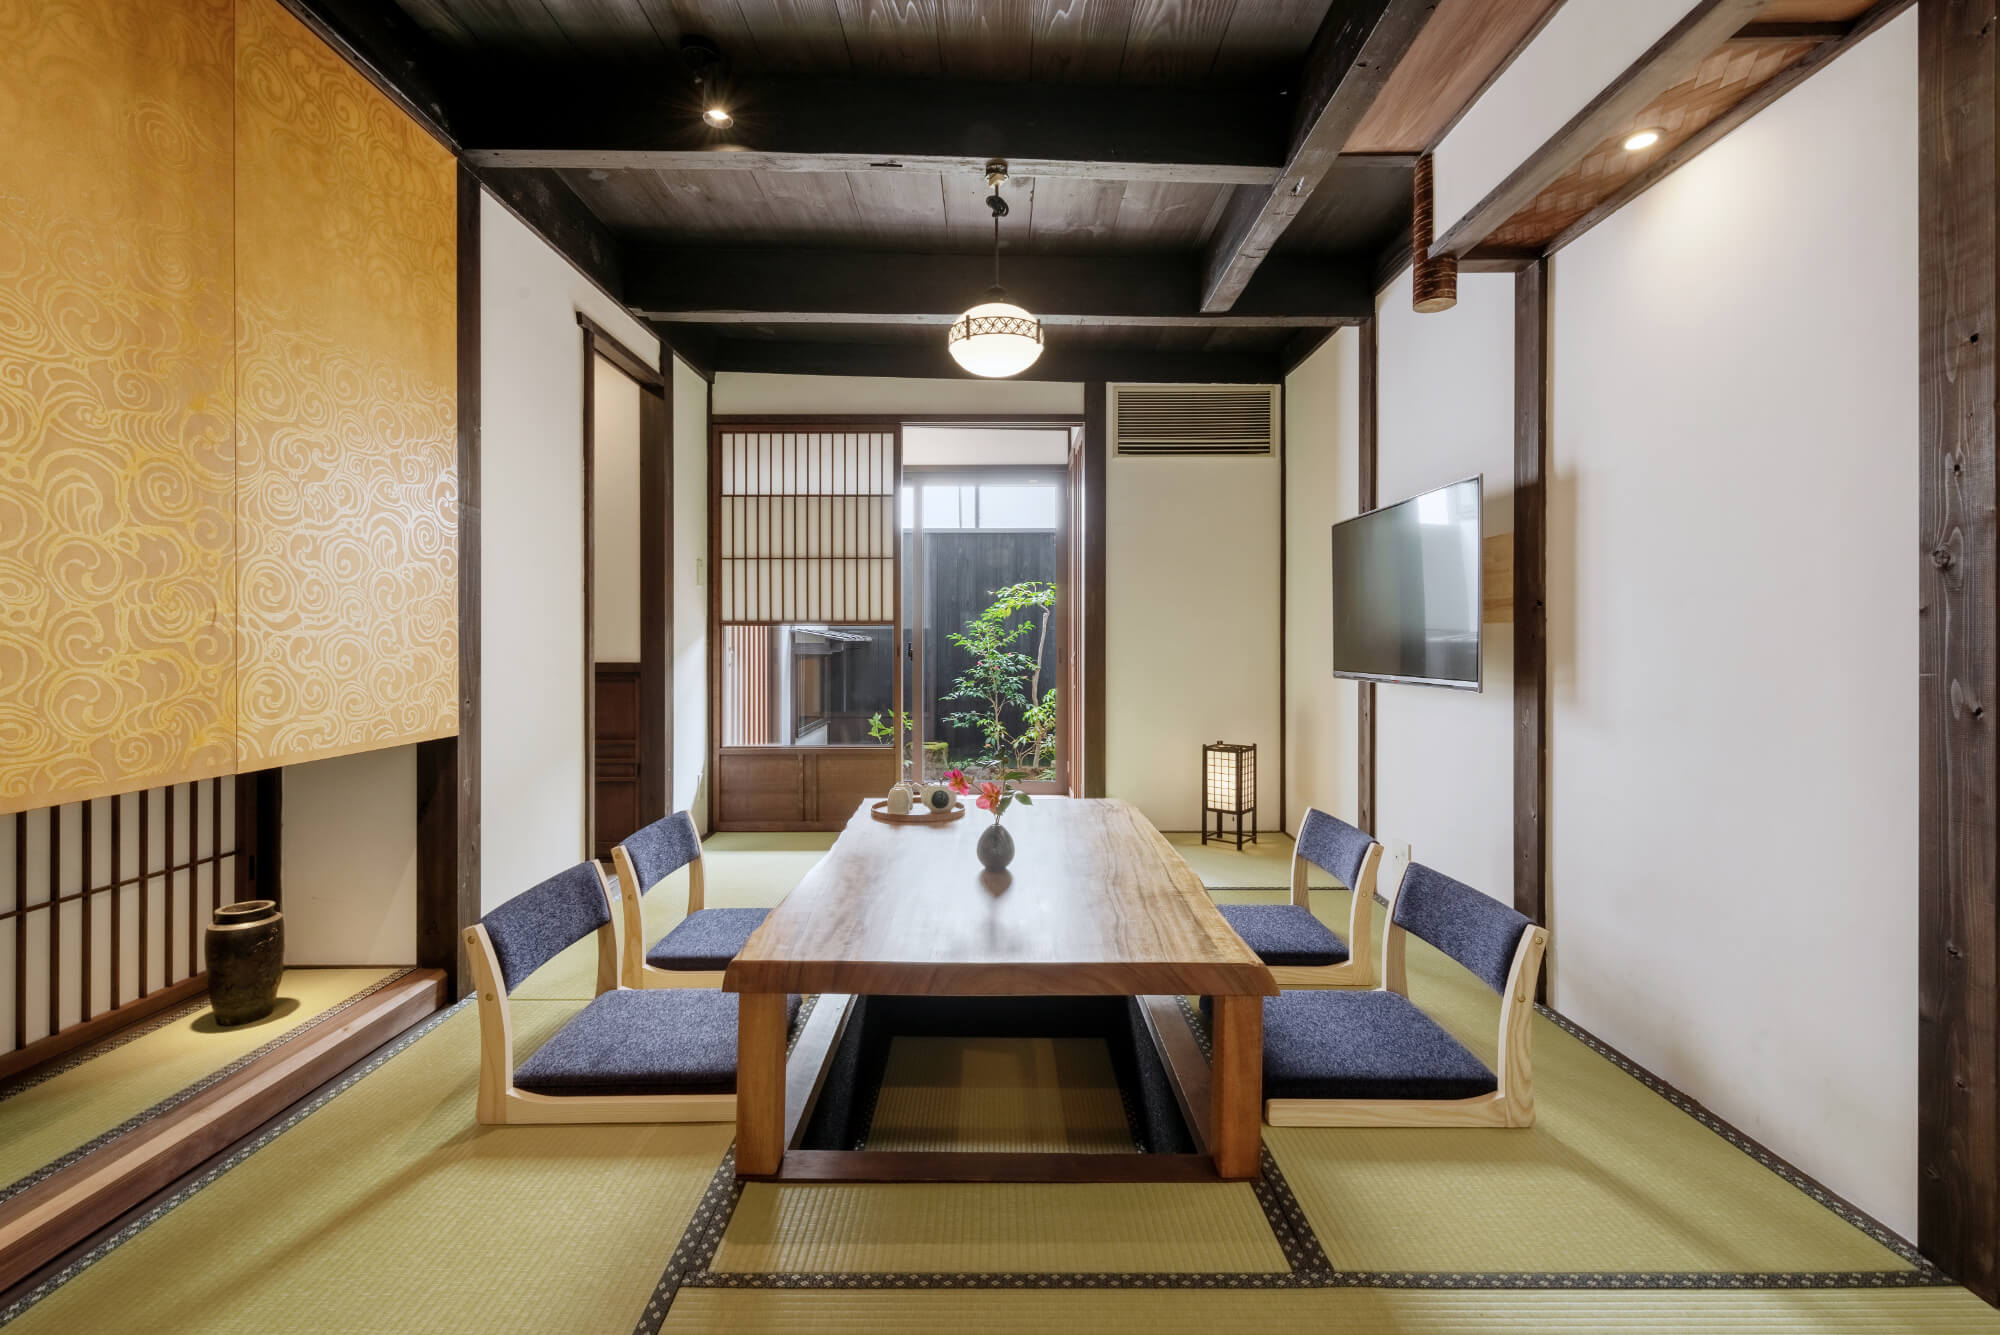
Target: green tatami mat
{"type": "Point", "coordinates": [1611, 1177]}
{"type": "Point", "coordinates": [1054, 1095]}
{"type": "Point", "coordinates": [46, 1120]}
{"type": "Point", "coordinates": [1268, 862]}
{"type": "Point", "coordinates": [741, 870]}
{"type": "Point", "coordinates": [1003, 1228]}
{"type": "Point", "coordinates": [707, 1311]}
{"type": "Point", "coordinates": [388, 1209]}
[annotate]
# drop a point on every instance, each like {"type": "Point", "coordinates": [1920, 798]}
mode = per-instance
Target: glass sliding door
{"type": "Point", "coordinates": [984, 551]}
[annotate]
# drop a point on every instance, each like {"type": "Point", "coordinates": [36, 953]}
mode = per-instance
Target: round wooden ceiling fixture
{"type": "Point", "coordinates": [1433, 282]}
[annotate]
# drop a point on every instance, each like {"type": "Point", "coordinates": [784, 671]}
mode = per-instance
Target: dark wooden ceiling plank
{"type": "Point", "coordinates": [800, 36]}
{"type": "Point", "coordinates": [1353, 54]}
{"type": "Point", "coordinates": [777, 285]}
{"type": "Point", "coordinates": [1173, 41]}
{"type": "Point", "coordinates": [987, 39]}
{"type": "Point", "coordinates": [1079, 41]}
{"type": "Point", "coordinates": [854, 125]}
{"type": "Point", "coordinates": [1266, 36]}
{"type": "Point", "coordinates": [1705, 27]}
{"type": "Point", "coordinates": [898, 38]}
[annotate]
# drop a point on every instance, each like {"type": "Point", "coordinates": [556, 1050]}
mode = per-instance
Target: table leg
{"type": "Point", "coordinates": [760, 1082]}
{"type": "Point", "coordinates": [1236, 1085]}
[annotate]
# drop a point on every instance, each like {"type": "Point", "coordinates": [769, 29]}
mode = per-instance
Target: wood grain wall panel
{"type": "Point", "coordinates": [346, 357]}
{"type": "Point", "coordinates": [117, 587]}
{"type": "Point", "coordinates": [1731, 73]}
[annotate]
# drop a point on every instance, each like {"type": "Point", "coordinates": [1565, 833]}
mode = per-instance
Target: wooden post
{"type": "Point", "coordinates": [760, 1082]}
{"type": "Point", "coordinates": [1364, 736]}
{"type": "Point", "coordinates": [1958, 987]}
{"type": "Point", "coordinates": [1095, 446]}
{"type": "Point", "coordinates": [448, 768]}
{"type": "Point", "coordinates": [1531, 680]}
{"type": "Point", "coordinates": [1236, 1085]}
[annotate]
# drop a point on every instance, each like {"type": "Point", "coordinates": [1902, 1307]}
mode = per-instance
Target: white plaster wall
{"type": "Point", "coordinates": [531, 573]}
{"type": "Point", "coordinates": [1190, 628]}
{"type": "Point", "coordinates": [349, 851]}
{"type": "Point", "coordinates": [758, 392]}
{"type": "Point", "coordinates": [690, 437]}
{"type": "Point", "coordinates": [1733, 627]}
{"type": "Point", "coordinates": [1322, 476]}
{"type": "Point", "coordinates": [1578, 53]}
{"type": "Point", "coordinates": [1444, 768]}
{"type": "Point", "coordinates": [615, 514]}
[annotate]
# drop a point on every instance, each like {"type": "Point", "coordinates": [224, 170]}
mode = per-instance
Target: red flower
{"type": "Point", "coordinates": [989, 796]}
{"type": "Point", "coordinates": [958, 783]}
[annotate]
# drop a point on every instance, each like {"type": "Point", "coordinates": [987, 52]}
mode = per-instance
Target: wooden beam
{"type": "Point", "coordinates": [1364, 692]}
{"type": "Point", "coordinates": [448, 806]}
{"type": "Point", "coordinates": [1351, 57]}
{"type": "Point", "coordinates": [1672, 160]}
{"type": "Point", "coordinates": [1096, 452]}
{"type": "Point", "coordinates": [1707, 26]}
{"type": "Point", "coordinates": [544, 201]}
{"type": "Point", "coordinates": [1531, 678]}
{"type": "Point", "coordinates": [1219, 136]}
{"type": "Point", "coordinates": [799, 286]}
{"type": "Point", "coordinates": [929, 360]}
{"type": "Point", "coordinates": [1958, 642]}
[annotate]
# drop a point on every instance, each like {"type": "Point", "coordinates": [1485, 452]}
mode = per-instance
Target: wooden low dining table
{"type": "Point", "coordinates": [1096, 903]}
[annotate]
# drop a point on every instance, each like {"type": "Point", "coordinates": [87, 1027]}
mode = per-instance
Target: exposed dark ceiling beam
{"type": "Point", "coordinates": [1351, 57]}
{"type": "Point", "coordinates": [776, 286]}
{"type": "Point", "coordinates": [929, 360]}
{"type": "Point", "coordinates": [1705, 28]}
{"type": "Point", "coordinates": [842, 125]}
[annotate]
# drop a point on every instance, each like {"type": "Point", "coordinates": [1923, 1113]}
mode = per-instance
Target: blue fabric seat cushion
{"type": "Point", "coordinates": [663, 1041]}
{"type": "Point", "coordinates": [1364, 1045]}
{"type": "Point", "coordinates": [708, 939]}
{"type": "Point", "coordinates": [1285, 934]}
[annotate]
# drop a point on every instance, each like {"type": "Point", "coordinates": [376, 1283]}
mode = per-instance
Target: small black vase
{"type": "Point", "coordinates": [245, 947]}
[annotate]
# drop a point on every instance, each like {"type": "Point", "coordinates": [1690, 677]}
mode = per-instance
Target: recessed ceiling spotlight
{"type": "Point", "coordinates": [1639, 139]}
{"type": "Point", "coordinates": [704, 61]}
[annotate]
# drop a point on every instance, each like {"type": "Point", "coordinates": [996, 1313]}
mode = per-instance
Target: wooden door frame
{"type": "Point", "coordinates": [1092, 639]}
{"type": "Point", "coordinates": [1059, 474]}
{"type": "Point", "coordinates": [656, 585]}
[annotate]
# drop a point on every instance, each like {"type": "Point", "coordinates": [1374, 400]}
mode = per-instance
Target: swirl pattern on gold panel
{"type": "Point", "coordinates": [117, 580]}
{"type": "Point", "coordinates": [347, 509]}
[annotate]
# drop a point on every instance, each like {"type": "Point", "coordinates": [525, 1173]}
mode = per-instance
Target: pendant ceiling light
{"type": "Point", "coordinates": [996, 337]}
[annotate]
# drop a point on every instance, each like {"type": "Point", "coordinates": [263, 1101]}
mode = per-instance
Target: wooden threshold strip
{"type": "Point", "coordinates": [55, 1215]}
{"type": "Point", "coordinates": [986, 1166]}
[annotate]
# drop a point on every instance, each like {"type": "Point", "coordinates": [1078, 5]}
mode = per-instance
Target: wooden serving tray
{"type": "Point", "coordinates": [880, 811]}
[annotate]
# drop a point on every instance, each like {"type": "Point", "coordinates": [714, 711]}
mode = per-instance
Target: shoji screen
{"type": "Point", "coordinates": [808, 526]}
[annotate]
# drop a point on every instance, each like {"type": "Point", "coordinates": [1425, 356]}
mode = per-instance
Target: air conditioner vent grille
{"type": "Point", "coordinates": [1194, 419]}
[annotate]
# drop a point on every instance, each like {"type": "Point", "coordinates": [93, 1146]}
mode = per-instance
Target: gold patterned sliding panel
{"type": "Point", "coordinates": [117, 542]}
{"type": "Point", "coordinates": [808, 523]}
{"type": "Point", "coordinates": [347, 507]}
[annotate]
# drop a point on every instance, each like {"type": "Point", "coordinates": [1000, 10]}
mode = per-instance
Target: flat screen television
{"type": "Point", "coordinates": [1406, 590]}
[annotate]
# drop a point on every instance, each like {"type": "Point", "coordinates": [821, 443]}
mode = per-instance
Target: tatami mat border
{"type": "Point", "coordinates": [182, 1095]}
{"type": "Point", "coordinates": [41, 1075]}
{"type": "Point", "coordinates": [1868, 1224]}
{"type": "Point", "coordinates": [298, 1114]}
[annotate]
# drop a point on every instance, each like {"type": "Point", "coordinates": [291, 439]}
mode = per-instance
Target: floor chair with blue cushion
{"type": "Point", "coordinates": [628, 1056]}
{"type": "Point", "coordinates": [1300, 950]}
{"type": "Point", "coordinates": [1373, 1058]}
{"type": "Point", "coordinates": [699, 948]}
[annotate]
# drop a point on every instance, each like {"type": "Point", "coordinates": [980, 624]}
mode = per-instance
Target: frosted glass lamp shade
{"type": "Point", "coordinates": [995, 339]}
